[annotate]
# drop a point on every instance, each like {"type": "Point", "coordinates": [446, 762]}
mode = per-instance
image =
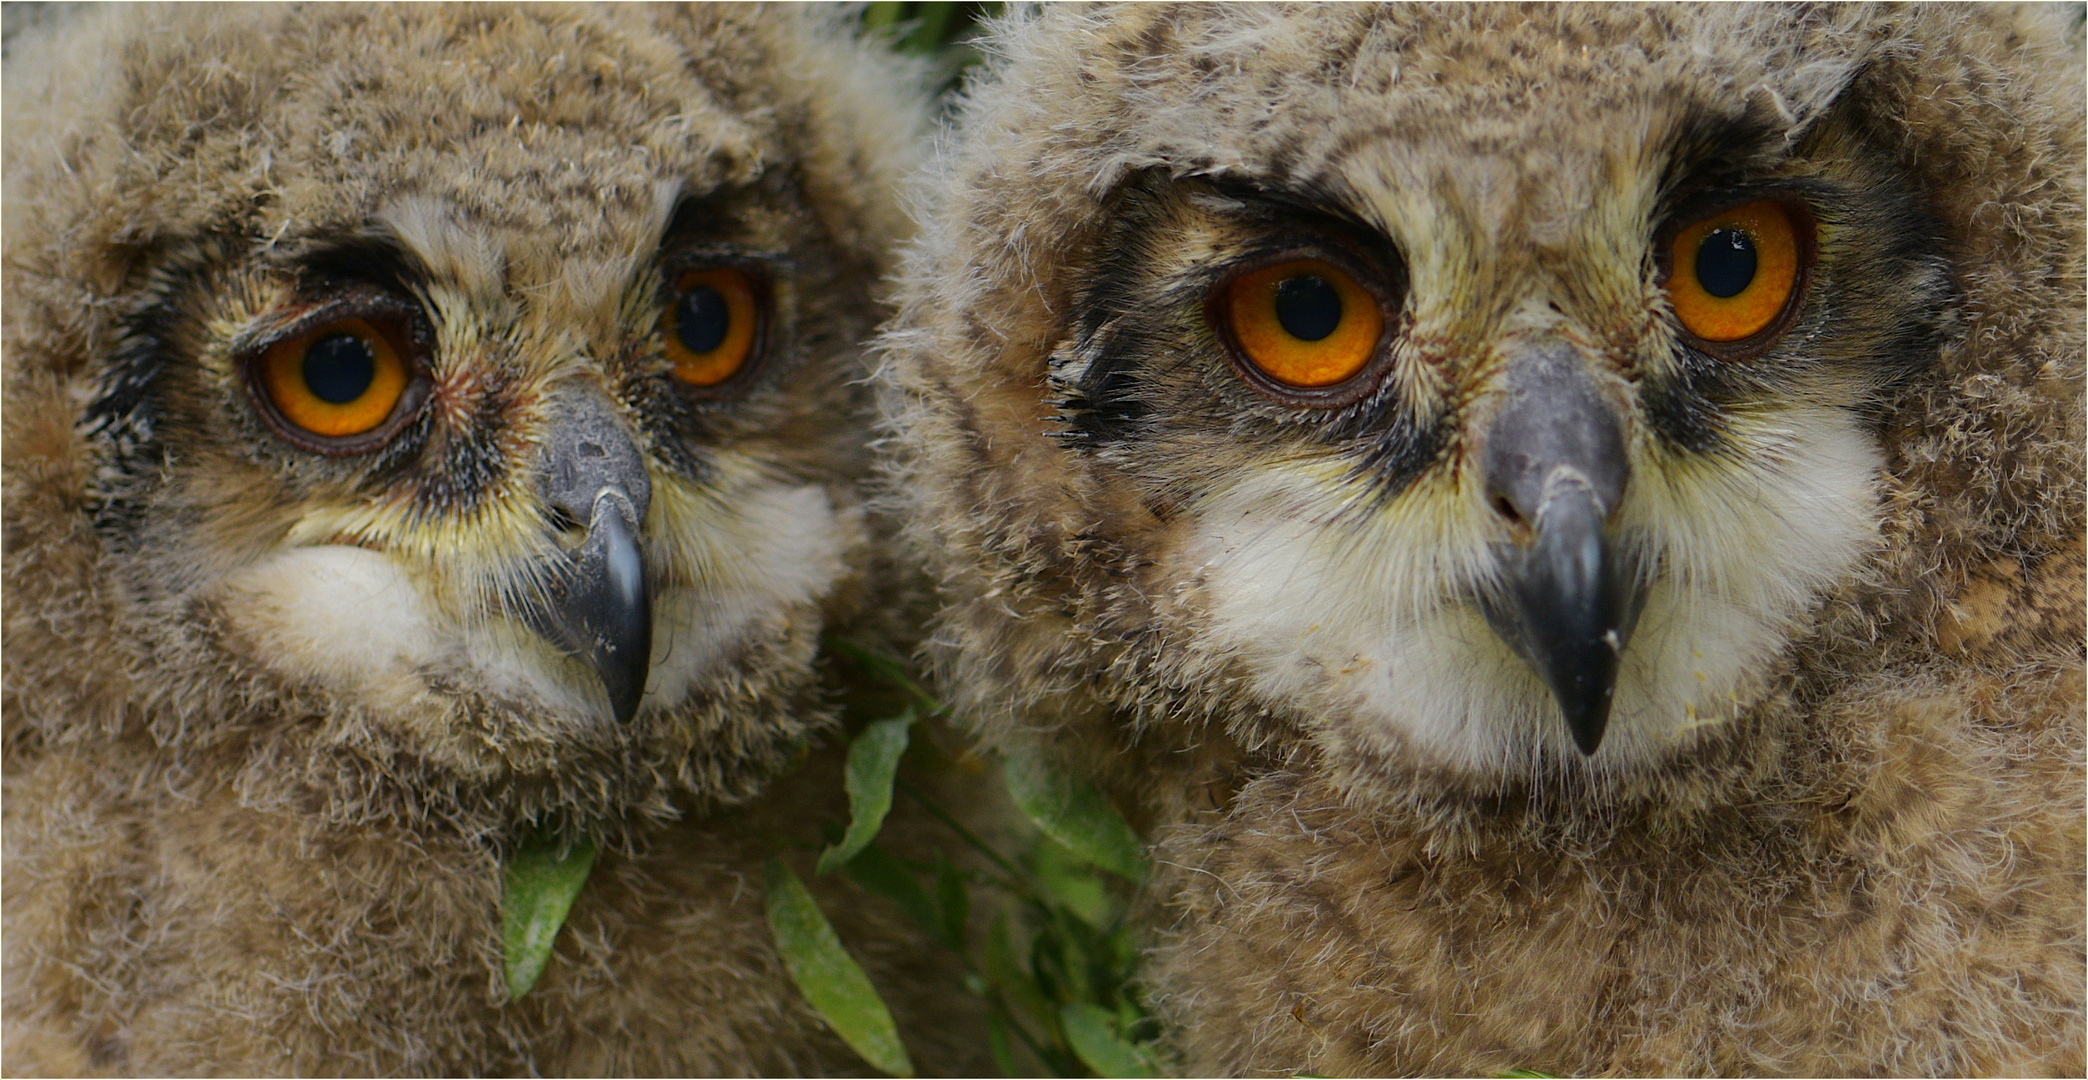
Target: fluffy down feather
{"type": "Point", "coordinates": [269, 733]}
{"type": "Point", "coordinates": [1872, 862]}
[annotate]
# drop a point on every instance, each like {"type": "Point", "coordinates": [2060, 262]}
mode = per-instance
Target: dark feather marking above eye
{"type": "Point", "coordinates": [686, 221]}
{"type": "Point", "coordinates": [122, 415]}
{"type": "Point", "coordinates": [721, 214]}
{"type": "Point", "coordinates": [370, 260]}
{"type": "Point", "coordinates": [1319, 202]}
{"type": "Point", "coordinates": [1713, 151]}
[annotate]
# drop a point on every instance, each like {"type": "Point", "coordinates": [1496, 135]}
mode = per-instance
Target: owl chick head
{"type": "Point", "coordinates": [431, 399]}
{"type": "Point", "coordinates": [1507, 395]}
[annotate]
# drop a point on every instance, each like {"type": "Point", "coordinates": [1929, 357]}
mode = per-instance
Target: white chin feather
{"type": "Point", "coordinates": [360, 624]}
{"type": "Point", "coordinates": [1359, 623]}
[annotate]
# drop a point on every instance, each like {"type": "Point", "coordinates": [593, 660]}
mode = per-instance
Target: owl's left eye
{"type": "Point", "coordinates": [713, 325]}
{"type": "Point", "coordinates": [334, 388]}
{"type": "Point", "coordinates": [1734, 277]}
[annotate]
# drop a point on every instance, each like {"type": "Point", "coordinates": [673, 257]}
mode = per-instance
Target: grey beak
{"type": "Point", "coordinates": [1556, 467]}
{"type": "Point", "coordinates": [598, 605]}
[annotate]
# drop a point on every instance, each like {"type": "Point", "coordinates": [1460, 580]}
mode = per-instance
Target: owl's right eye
{"type": "Point", "coordinates": [1301, 324]}
{"type": "Point", "coordinates": [334, 384]}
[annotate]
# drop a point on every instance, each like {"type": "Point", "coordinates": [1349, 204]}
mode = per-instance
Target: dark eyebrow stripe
{"type": "Point", "coordinates": [371, 259]}
{"type": "Point", "coordinates": [1710, 151]}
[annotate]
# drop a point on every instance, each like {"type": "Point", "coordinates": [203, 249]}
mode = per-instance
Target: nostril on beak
{"type": "Point", "coordinates": [597, 603]}
{"type": "Point", "coordinates": [562, 520]}
{"type": "Point", "coordinates": [1521, 531]}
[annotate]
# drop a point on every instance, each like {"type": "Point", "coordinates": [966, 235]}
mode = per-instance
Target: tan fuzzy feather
{"type": "Point", "coordinates": [272, 722]}
{"type": "Point", "coordinates": [1860, 852]}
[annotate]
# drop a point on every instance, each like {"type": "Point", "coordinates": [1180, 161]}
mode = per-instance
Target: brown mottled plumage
{"type": "Point", "coordinates": [1834, 824]}
{"type": "Point", "coordinates": [277, 708]}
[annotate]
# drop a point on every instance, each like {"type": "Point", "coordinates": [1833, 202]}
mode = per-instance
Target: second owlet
{"type": "Point", "coordinates": [426, 426]}
{"type": "Point", "coordinates": [1565, 523]}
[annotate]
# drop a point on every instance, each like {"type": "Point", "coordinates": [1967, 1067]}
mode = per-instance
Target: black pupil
{"type": "Point", "coordinates": [339, 368]}
{"type": "Point", "coordinates": [701, 320]}
{"type": "Point", "coordinates": [1725, 264]}
{"type": "Point", "coordinates": [1308, 307]}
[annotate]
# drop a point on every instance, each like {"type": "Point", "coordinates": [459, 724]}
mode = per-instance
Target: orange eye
{"type": "Point", "coordinates": [712, 325]}
{"type": "Point", "coordinates": [1732, 273]}
{"type": "Point", "coordinates": [342, 379]}
{"type": "Point", "coordinates": [1304, 323]}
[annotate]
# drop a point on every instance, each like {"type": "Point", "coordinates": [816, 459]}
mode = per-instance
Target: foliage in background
{"type": "Point", "coordinates": [1054, 960]}
{"type": "Point", "coordinates": [538, 888]}
{"type": "Point", "coordinates": [940, 31]}
{"type": "Point", "coordinates": [828, 977]}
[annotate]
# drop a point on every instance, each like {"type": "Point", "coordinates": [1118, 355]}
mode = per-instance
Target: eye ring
{"type": "Point", "coordinates": [341, 382]}
{"type": "Point", "coordinates": [1785, 263]}
{"type": "Point", "coordinates": [714, 328]}
{"type": "Point", "coordinates": [1343, 354]}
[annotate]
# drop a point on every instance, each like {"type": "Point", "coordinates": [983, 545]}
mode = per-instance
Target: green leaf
{"type": "Point", "coordinates": [931, 27]}
{"type": "Point", "coordinates": [1006, 971]}
{"type": "Point", "coordinates": [880, 873]}
{"type": "Point", "coordinates": [954, 901]}
{"type": "Point", "coordinates": [1072, 812]}
{"type": "Point", "coordinates": [873, 760]}
{"type": "Point", "coordinates": [1003, 1049]}
{"type": "Point", "coordinates": [1091, 1031]}
{"type": "Point", "coordinates": [883, 15]}
{"type": "Point", "coordinates": [1072, 884]}
{"type": "Point", "coordinates": [1060, 959]}
{"type": "Point", "coordinates": [542, 880]}
{"type": "Point", "coordinates": [1129, 1017]}
{"type": "Point", "coordinates": [830, 978]}
{"type": "Point", "coordinates": [1120, 951]}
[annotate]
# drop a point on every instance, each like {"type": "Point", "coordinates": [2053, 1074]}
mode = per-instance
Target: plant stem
{"type": "Point", "coordinates": [887, 669]}
{"type": "Point", "coordinates": [1028, 1040]}
{"type": "Point", "coordinates": [963, 833]}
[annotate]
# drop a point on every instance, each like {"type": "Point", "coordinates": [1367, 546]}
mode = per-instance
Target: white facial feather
{"type": "Point", "coordinates": [359, 621]}
{"type": "Point", "coordinates": [777, 551]}
{"type": "Point", "coordinates": [1370, 618]}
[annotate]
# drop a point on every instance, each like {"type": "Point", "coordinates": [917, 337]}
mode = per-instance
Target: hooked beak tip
{"type": "Point", "coordinates": [1587, 723]}
{"type": "Point", "coordinates": [1556, 465]}
{"type": "Point", "coordinates": [1568, 610]}
{"type": "Point", "coordinates": [601, 606]}
{"type": "Point", "coordinates": [614, 609]}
